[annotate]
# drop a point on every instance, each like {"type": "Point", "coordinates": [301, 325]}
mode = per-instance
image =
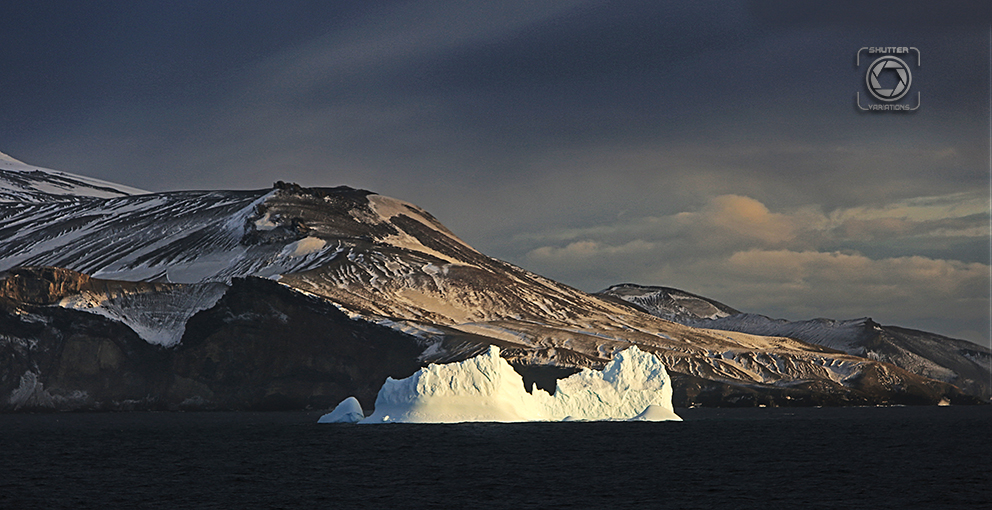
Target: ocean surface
{"type": "Point", "coordinates": [896, 457]}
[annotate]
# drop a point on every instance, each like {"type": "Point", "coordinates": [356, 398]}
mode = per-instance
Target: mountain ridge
{"type": "Point", "coordinates": [957, 361]}
{"type": "Point", "coordinates": [21, 182]}
{"type": "Point", "coordinates": [380, 271]}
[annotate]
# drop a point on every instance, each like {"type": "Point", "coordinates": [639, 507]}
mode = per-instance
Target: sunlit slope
{"type": "Point", "coordinates": [959, 362]}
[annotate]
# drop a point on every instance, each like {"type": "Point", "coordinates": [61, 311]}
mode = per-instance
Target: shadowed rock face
{"type": "Point", "coordinates": [57, 359]}
{"type": "Point", "coordinates": [261, 347]}
{"type": "Point", "coordinates": [266, 347]}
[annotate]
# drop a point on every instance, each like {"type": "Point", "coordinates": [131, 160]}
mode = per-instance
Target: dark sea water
{"type": "Point", "coordinates": [902, 457]}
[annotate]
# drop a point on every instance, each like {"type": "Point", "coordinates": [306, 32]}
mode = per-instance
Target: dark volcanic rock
{"type": "Point", "coordinates": [265, 347]}
{"type": "Point", "coordinates": [57, 359]}
{"type": "Point", "coordinates": [872, 388]}
{"type": "Point", "coordinates": [261, 347]}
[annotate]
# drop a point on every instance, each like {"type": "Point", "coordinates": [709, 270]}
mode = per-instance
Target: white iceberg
{"type": "Point", "coordinates": [653, 413]}
{"type": "Point", "coordinates": [634, 385]}
{"type": "Point", "coordinates": [348, 411]}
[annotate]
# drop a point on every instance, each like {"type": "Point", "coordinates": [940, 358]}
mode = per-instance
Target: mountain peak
{"type": "Point", "coordinates": [21, 182]}
{"type": "Point", "coordinates": [670, 303]}
{"type": "Point", "coordinates": [7, 159]}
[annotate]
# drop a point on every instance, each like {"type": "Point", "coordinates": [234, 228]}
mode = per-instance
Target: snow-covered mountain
{"type": "Point", "coordinates": [20, 182]}
{"type": "Point", "coordinates": [959, 362]}
{"type": "Point", "coordinates": [221, 277]}
{"type": "Point", "coordinates": [670, 304]}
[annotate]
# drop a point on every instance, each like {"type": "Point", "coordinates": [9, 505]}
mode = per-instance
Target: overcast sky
{"type": "Point", "coordinates": [711, 146]}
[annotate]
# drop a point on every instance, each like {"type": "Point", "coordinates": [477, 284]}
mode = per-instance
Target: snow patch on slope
{"type": "Point", "coordinates": [20, 181]}
{"type": "Point", "coordinates": [843, 335]}
{"type": "Point", "coordinates": [158, 318]}
{"type": "Point", "coordinates": [305, 246]}
{"type": "Point", "coordinates": [486, 388]}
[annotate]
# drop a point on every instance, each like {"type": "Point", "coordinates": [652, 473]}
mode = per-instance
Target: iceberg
{"type": "Point", "coordinates": [348, 411]}
{"type": "Point", "coordinates": [634, 385]}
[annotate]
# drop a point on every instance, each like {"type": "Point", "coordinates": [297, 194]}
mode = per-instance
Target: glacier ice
{"type": "Point", "coordinates": [348, 411]}
{"type": "Point", "coordinates": [653, 413]}
{"type": "Point", "coordinates": [634, 385]}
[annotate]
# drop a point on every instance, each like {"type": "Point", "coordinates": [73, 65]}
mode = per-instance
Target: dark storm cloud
{"type": "Point", "coordinates": [912, 14]}
{"type": "Point", "coordinates": [662, 142]}
{"type": "Point", "coordinates": [460, 91]}
{"type": "Point", "coordinates": [76, 56]}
